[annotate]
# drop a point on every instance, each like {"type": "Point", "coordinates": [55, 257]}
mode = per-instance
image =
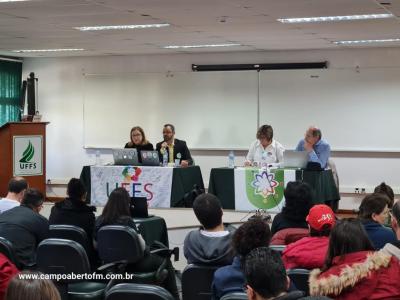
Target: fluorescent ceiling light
{"type": "Point", "coordinates": [200, 46]}
{"type": "Point", "coordinates": [1, 1]}
{"type": "Point", "coordinates": [366, 41]}
{"type": "Point", "coordinates": [48, 50]}
{"type": "Point", "coordinates": [121, 27]}
{"type": "Point", "coordinates": [336, 18]}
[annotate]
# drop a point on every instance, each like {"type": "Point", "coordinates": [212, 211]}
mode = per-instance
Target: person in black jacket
{"type": "Point", "coordinates": [24, 227]}
{"type": "Point", "coordinates": [139, 141]}
{"type": "Point", "coordinates": [176, 149]}
{"type": "Point", "coordinates": [74, 211]}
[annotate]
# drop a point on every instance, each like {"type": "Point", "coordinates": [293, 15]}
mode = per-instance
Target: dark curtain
{"type": "Point", "coordinates": [10, 89]}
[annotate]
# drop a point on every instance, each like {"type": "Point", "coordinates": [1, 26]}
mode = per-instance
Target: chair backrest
{"type": "Point", "coordinates": [235, 296]}
{"type": "Point", "coordinates": [116, 243]}
{"type": "Point", "coordinates": [70, 232]}
{"type": "Point", "coordinates": [300, 279]}
{"type": "Point", "coordinates": [196, 282]}
{"type": "Point", "coordinates": [7, 249]}
{"type": "Point", "coordinates": [59, 256]}
{"type": "Point", "coordinates": [129, 291]}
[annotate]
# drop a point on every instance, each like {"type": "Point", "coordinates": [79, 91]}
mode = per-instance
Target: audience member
{"type": "Point", "coordinates": [24, 227]}
{"type": "Point", "coordinates": [385, 189]}
{"type": "Point", "coordinates": [373, 213]}
{"type": "Point", "coordinates": [74, 211]}
{"type": "Point", "coordinates": [266, 277]}
{"type": "Point", "coordinates": [177, 149]}
{"type": "Point", "coordinates": [265, 150]}
{"type": "Point", "coordinates": [31, 288]}
{"type": "Point", "coordinates": [317, 148]}
{"type": "Point", "coordinates": [353, 270]}
{"type": "Point", "coordinates": [209, 245]}
{"type": "Point", "coordinates": [7, 271]}
{"type": "Point", "coordinates": [250, 235]}
{"type": "Point", "coordinates": [16, 189]}
{"type": "Point", "coordinates": [139, 141]}
{"type": "Point", "coordinates": [298, 201]}
{"type": "Point", "coordinates": [309, 252]}
{"type": "Point", "coordinates": [393, 248]}
{"type": "Point", "coordinates": [117, 212]}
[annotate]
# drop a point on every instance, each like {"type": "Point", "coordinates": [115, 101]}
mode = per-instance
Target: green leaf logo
{"type": "Point", "coordinates": [28, 153]}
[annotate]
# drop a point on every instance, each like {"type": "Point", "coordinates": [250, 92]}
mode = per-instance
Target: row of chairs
{"type": "Point", "coordinates": [197, 280]}
{"type": "Point", "coordinates": [66, 253]}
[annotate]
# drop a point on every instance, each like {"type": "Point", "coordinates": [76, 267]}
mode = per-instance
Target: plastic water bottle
{"type": "Point", "coordinates": [165, 158]}
{"type": "Point", "coordinates": [98, 158]}
{"type": "Point", "coordinates": [231, 160]}
{"type": "Point", "coordinates": [263, 159]}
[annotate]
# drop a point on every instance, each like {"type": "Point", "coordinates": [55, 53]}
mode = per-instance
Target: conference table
{"type": "Point", "coordinates": [222, 184]}
{"type": "Point", "coordinates": [166, 186]}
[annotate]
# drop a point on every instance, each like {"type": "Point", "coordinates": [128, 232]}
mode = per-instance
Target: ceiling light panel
{"type": "Point", "coordinates": [336, 18]}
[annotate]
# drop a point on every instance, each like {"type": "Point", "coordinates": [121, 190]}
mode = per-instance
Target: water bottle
{"type": "Point", "coordinates": [231, 160]}
{"type": "Point", "coordinates": [263, 159]}
{"type": "Point", "coordinates": [98, 158]}
{"type": "Point", "coordinates": [165, 158]}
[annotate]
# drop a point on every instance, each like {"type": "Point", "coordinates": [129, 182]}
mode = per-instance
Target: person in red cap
{"type": "Point", "coordinates": [309, 252]}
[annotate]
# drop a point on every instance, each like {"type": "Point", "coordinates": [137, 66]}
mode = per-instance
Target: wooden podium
{"type": "Point", "coordinates": [23, 153]}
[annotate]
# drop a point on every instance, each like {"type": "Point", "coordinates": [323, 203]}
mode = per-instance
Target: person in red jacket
{"type": "Point", "coordinates": [353, 270]}
{"type": "Point", "coordinates": [7, 272]}
{"type": "Point", "coordinates": [309, 252]}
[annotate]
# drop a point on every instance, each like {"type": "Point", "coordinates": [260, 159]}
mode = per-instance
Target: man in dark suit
{"type": "Point", "coordinates": [176, 149]}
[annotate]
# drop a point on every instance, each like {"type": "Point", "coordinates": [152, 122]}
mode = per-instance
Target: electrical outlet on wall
{"type": "Point", "coordinates": [356, 191]}
{"type": "Point", "coordinates": [362, 190]}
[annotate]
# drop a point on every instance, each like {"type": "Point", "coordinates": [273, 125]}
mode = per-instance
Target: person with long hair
{"type": "Point", "coordinates": [74, 210]}
{"type": "Point", "coordinates": [298, 201]}
{"type": "Point", "coordinates": [374, 212]}
{"type": "Point", "coordinates": [309, 252]}
{"type": "Point", "coordinates": [138, 140]}
{"type": "Point", "coordinates": [353, 269]}
{"type": "Point", "coordinates": [22, 287]}
{"type": "Point", "coordinates": [117, 212]}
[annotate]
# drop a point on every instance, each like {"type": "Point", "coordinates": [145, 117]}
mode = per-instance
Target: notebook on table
{"type": "Point", "coordinates": [125, 157]}
{"type": "Point", "coordinates": [150, 158]}
{"type": "Point", "coordinates": [139, 207]}
{"type": "Point", "coordinates": [295, 159]}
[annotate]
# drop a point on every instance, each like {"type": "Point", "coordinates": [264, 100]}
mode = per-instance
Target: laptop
{"type": "Point", "coordinates": [295, 159]}
{"type": "Point", "coordinates": [125, 157]}
{"type": "Point", "coordinates": [139, 207]}
{"type": "Point", "coordinates": [150, 158]}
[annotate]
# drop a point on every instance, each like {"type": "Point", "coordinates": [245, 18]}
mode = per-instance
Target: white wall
{"type": "Point", "coordinates": [61, 91]}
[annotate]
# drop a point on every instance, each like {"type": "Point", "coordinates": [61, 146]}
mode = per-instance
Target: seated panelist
{"type": "Point", "coordinates": [176, 149]}
{"type": "Point", "coordinates": [139, 141]}
{"type": "Point", "coordinates": [318, 149]}
{"type": "Point", "coordinates": [265, 150]}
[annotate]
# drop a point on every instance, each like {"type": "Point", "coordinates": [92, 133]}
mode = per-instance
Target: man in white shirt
{"type": "Point", "coordinates": [16, 190]}
{"type": "Point", "coordinates": [265, 150]}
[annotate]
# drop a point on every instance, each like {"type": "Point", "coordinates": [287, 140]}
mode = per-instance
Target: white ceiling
{"type": "Point", "coordinates": [44, 24]}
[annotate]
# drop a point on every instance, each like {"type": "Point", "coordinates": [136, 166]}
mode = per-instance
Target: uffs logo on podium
{"type": "Point", "coordinates": [28, 155]}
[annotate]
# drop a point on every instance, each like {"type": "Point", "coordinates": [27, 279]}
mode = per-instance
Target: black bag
{"type": "Point", "coordinates": [188, 198]}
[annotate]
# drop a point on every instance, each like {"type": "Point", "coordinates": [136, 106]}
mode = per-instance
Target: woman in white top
{"type": "Point", "coordinates": [265, 151]}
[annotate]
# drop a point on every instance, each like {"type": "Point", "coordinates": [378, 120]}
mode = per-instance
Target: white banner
{"type": "Point", "coordinates": [261, 188]}
{"type": "Point", "coordinates": [154, 183]}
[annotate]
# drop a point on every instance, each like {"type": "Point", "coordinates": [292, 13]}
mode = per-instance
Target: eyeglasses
{"type": "Point", "coordinates": [137, 134]}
